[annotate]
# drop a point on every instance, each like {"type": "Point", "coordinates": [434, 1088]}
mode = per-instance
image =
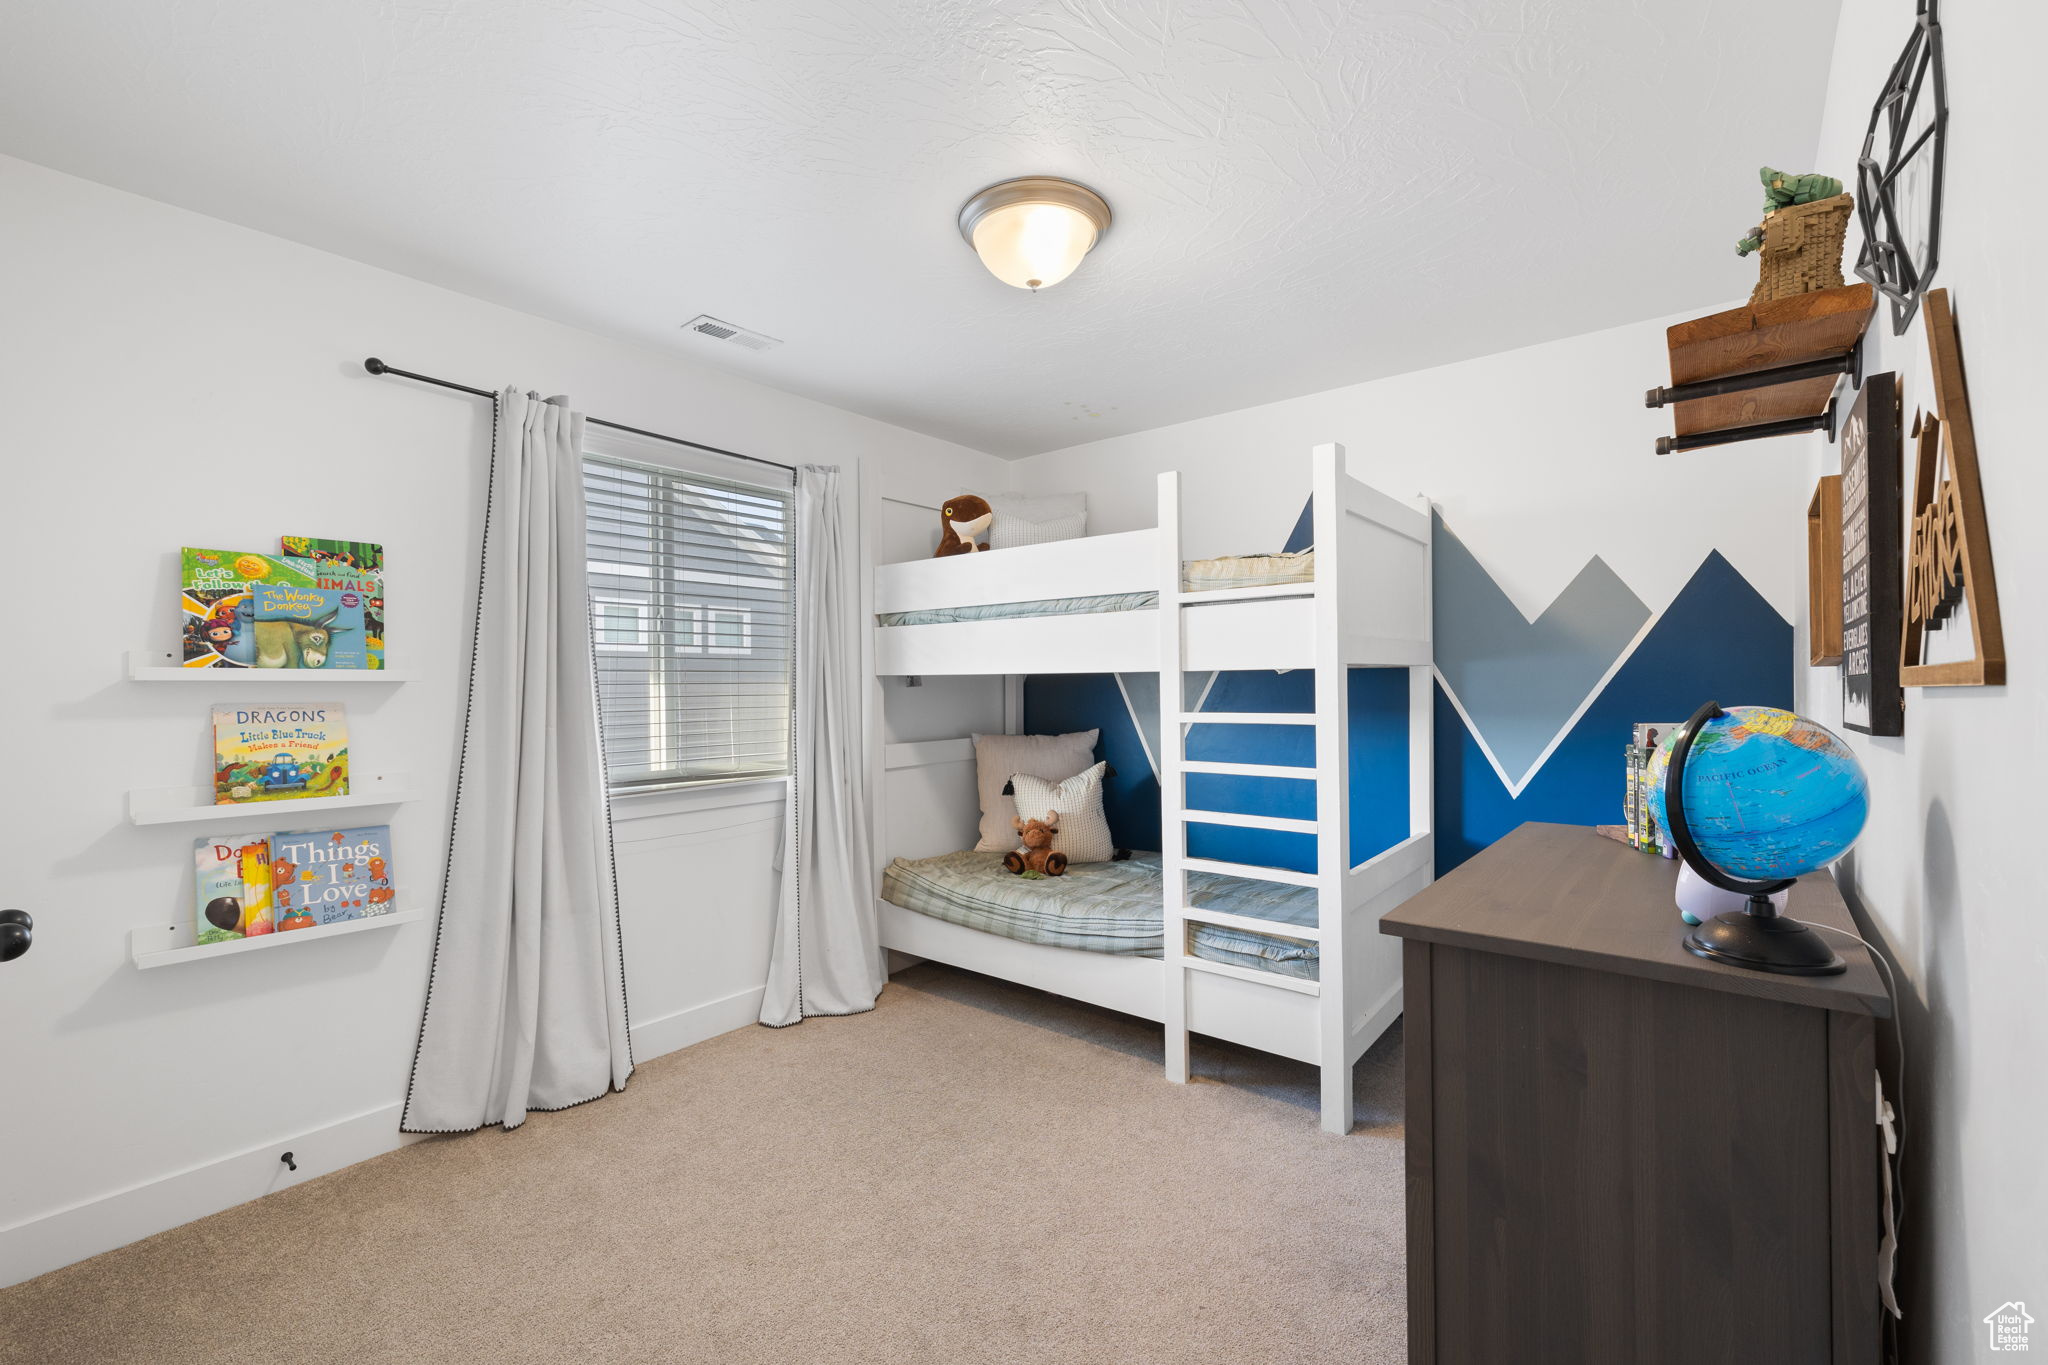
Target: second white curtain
{"type": "Point", "coordinates": [827, 956]}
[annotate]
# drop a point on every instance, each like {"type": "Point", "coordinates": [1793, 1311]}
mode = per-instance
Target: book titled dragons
{"type": "Point", "coordinates": [279, 753]}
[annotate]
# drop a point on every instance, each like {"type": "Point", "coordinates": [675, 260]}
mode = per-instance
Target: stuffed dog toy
{"type": "Point", "coordinates": [960, 521]}
{"type": "Point", "coordinates": [1036, 855]}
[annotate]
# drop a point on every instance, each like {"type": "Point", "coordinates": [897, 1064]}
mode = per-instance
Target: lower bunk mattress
{"type": "Point", "coordinates": [1106, 908]}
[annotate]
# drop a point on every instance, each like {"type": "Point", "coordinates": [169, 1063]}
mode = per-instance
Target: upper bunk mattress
{"type": "Point", "coordinates": [1106, 908]}
{"type": "Point", "coordinates": [1199, 575]}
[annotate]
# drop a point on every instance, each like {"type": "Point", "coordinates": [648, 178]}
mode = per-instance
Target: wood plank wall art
{"type": "Point", "coordinates": [1868, 568]}
{"type": "Point", "coordinates": [1824, 572]}
{"type": "Point", "coordinates": [1952, 636]}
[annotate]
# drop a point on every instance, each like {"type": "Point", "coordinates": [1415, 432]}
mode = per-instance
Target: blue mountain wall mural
{"type": "Point", "coordinates": [1717, 639]}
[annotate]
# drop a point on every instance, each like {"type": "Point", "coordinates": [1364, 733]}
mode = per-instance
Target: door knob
{"type": "Point", "coordinates": [17, 932]}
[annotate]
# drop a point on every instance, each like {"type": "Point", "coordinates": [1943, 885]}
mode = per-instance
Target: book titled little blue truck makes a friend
{"type": "Point", "coordinates": [279, 753]}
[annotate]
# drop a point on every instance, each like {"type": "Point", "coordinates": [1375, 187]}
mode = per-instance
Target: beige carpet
{"type": "Point", "coordinates": [973, 1172]}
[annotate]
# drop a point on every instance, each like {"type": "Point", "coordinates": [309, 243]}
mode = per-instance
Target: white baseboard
{"type": "Point", "coordinates": [52, 1240]}
{"type": "Point", "coordinates": [653, 1037]}
{"type": "Point", "coordinates": [48, 1241]}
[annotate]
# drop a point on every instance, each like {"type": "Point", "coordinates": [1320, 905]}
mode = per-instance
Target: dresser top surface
{"type": "Point", "coordinates": [1565, 894]}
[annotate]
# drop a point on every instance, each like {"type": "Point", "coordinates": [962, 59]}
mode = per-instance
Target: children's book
{"type": "Point", "coordinates": [233, 888]}
{"type": "Point", "coordinates": [216, 602]}
{"type": "Point", "coordinates": [312, 621]}
{"type": "Point", "coordinates": [357, 555]}
{"type": "Point", "coordinates": [342, 569]}
{"type": "Point", "coordinates": [1649, 736]}
{"type": "Point", "coordinates": [278, 753]}
{"type": "Point", "coordinates": [332, 876]}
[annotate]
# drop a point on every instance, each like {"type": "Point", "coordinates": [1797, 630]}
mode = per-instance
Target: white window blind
{"type": "Point", "coordinates": [691, 586]}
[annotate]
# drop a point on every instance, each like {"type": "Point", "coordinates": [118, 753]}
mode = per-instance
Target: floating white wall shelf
{"type": "Point", "coordinates": [165, 945]}
{"type": "Point", "coordinates": [194, 805]}
{"type": "Point", "coordinates": [160, 666]}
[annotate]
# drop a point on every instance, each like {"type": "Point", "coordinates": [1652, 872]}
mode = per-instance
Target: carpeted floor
{"type": "Point", "coordinates": [974, 1172]}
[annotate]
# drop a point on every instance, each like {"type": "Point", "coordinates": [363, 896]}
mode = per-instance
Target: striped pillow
{"type": "Point", "coordinates": [1083, 832]}
{"type": "Point", "coordinates": [1036, 519]}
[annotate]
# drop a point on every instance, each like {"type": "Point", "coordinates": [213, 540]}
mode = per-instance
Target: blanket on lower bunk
{"type": "Point", "coordinates": [1106, 908]}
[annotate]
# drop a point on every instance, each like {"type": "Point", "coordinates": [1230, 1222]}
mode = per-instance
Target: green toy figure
{"type": "Point", "coordinates": [1782, 191]}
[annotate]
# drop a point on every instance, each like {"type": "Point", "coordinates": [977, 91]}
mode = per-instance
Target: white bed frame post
{"type": "Point", "coordinates": [1333, 788]}
{"type": "Point", "coordinates": [1172, 784]}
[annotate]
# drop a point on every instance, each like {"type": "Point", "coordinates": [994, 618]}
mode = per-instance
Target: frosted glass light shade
{"type": "Point", "coordinates": [1032, 233]}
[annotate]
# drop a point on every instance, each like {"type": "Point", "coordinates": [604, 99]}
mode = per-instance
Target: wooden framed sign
{"type": "Point", "coordinates": [1824, 572]}
{"type": "Point", "coordinates": [1952, 636]}
{"type": "Point", "coordinates": [1871, 574]}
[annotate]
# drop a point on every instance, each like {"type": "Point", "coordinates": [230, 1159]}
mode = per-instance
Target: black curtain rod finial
{"type": "Point", "coordinates": [374, 365]}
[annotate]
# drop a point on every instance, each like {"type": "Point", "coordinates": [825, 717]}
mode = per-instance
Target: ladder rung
{"type": "Point", "coordinates": [1247, 718]}
{"type": "Point", "coordinates": [1225, 817]}
{"type": "Point", "coordinates": [1191, 765]}
{"type": "Point", "coordinates": [1252, 974]}
{"type": "Point", "coordinates": [1252, 924]}
{"type": "Point", "coordinates": [1252, 871]}
{"type": "Point", "coordinates": [1263, 590]}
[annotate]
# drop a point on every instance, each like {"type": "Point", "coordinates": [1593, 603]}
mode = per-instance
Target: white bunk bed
{"type": "Point", "coordinates": [1367, 606]}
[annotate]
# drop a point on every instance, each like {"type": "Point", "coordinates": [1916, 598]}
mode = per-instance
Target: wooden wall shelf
{"type": "Point", "coordinates": [1768, 370]}
{"type": "Point", "coordinates": [167, 945]}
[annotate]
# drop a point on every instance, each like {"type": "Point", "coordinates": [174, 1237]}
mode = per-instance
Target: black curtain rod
{"type": "Point", "coordinates": [376, 366]}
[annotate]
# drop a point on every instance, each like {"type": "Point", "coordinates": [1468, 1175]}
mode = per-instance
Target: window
{"type": "Point", "coordinates": [691, 585]}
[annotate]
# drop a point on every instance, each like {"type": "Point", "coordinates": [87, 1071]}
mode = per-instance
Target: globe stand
{"type": "Point", "coordinates": [1763, 940]}
{"type": "Point", "coordinates": [1756, 938]}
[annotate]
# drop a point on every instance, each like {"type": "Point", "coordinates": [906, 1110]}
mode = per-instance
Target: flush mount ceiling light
{"type": "Point", "coordinates": [1032, 232]}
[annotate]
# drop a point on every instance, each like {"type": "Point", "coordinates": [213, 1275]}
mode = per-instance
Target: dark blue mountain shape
{"type": "Point", "coordinates": [1303, 536]}
{"type": "Point", "coordinates": [1061, 703]}
{"type": "Point", "coordinates": [1718, 640]}
{"type": "Point", "coordinates": [1520, 680]}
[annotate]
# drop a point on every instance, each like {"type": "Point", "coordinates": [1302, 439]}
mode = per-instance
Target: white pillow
{"type": "Point", "coordinates": [998, 757]}
{"type": "Point", "coordinates": [1083, 830]}
{"type": "Point", "coordinates": [1036, 520]}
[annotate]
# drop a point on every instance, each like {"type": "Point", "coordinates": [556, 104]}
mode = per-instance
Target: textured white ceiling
{"type": "Point", "coordinates": [1308, 193]}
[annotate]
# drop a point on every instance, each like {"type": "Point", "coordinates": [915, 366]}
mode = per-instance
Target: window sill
{"type": "Point", "coordinates": [744, 791]}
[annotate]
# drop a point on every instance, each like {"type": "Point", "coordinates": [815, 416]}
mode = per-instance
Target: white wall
{"type": "Point", "coordinates": [1538, 458]}
{"type": "Point", "coordinates": [1949, 870]}
{"type": "Point", "coordinates": [176, 380]}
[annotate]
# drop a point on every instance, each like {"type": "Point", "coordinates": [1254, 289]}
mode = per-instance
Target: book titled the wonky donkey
{"type": "Point", "coordinates": [278, 753]}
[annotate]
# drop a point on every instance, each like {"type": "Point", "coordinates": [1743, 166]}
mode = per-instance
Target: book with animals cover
{"type": "Point", "coordinates": [279, 753]}
{"type": "Point", "coordinates": [332, 876]}
{"type": "Point", "coordinates": [357, 565]}
{"type": "Point", "coordinates": [232, 897]}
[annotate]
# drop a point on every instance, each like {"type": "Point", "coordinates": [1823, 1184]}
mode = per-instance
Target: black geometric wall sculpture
{"type": "Point", "coordinates": [1898, 176]}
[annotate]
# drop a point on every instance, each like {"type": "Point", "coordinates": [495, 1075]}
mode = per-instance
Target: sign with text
{"type": "Point", "coordinates": [1871, 572]}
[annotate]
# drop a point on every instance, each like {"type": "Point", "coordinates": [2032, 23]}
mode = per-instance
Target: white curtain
{"type": "Point", "coordinates": [526, 1007]}
{"type": "Point", "coordinates": [827, 956]}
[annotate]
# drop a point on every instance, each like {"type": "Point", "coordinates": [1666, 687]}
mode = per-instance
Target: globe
{"type": "Point", "coordinates": [1769, 795]}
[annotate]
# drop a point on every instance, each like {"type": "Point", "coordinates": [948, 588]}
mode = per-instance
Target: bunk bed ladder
{"type": "Point", "coordinates": [1332, 797]}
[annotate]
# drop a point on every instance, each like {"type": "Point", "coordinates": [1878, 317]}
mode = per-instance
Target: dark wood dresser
{"type": "Point", "coordinates": [1622, 1154]}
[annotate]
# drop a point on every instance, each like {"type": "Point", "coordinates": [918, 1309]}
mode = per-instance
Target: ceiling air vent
{"type": "Point", "coordinates": [719, 330]}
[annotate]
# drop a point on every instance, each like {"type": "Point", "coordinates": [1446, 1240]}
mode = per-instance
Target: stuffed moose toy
{"type": "Point", "coordinates": [1036, 855]}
